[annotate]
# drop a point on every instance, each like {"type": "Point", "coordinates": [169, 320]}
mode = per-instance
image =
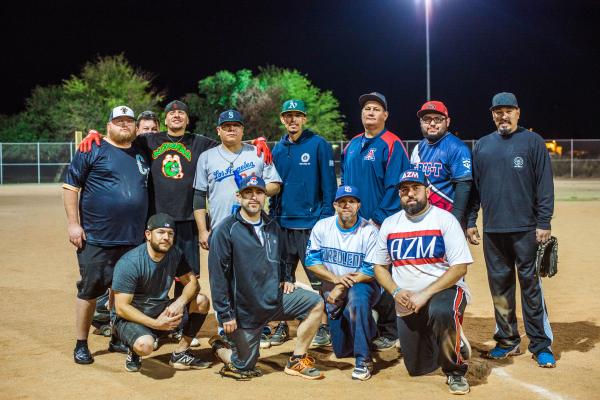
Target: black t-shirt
{"type": "Point", "coordinates": [149, 282]}
{"type": "Point", "coordinates": [173, 166]}
{"type": "Point", "coordinates": [113, 193]}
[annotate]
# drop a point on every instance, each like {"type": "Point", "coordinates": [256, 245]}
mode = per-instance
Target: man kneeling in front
{"type": "Point", "coordinates": [141, 282]}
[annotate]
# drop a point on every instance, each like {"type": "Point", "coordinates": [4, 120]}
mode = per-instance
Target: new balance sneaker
{"type": "Point", "coordinates": [176, 335]}
{"type": "Point", "coordinates": [465, 346]}
{"type": "Point", "coordinates": [82, 355]}
{"type": "Point", "coordinates": [498, 353]}
{"type": "Point", "coordinates": [187, 360]}
{"type": "Point", "coordinates": [383, 343]}
{"type": "Point", "coordinates": [458, 385]}
{"type": "Point", "coordinates": [362, 371]}
{"type": "Point", "coordinates": [133, 362]}
{"type": "Point", "coordinates": [303, 367]}
{"type": "Point", "coordinates": [230, 371]}
{"type": "Point", "coordinates": [282, 333]}
{"type": "Point", "coordinates": [545, 359]}
{"type": "Point", "coordinates": [322, 338]}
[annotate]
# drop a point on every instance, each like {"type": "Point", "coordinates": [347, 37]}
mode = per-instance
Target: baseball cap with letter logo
{"type": "Point", "coordinates": [413, 175]}
{"type": "Point", "coordinates": [160, 220]}
{"type": "Point", "coordinates": [121, 111]}
{"type": "Point", "coordinates": [230, 116]}
{"type": "Point", "coordinates": [293, 105]}
{"type": "Point", "coordinates": [347, 191]}
{"type": "Point", "coordinates": [252, 181]}
{"type": "Point", "coordinates": [433, 107]}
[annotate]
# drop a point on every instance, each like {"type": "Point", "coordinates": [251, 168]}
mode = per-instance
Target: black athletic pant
{"type": "Point", "coordinates": [431, 337]}
{"type": "Point", "coordinates": [296, 241]}
{"type": "Point", "coordinates": [505, 252]}
{"type": "Point", "coordinates": [386, 323]}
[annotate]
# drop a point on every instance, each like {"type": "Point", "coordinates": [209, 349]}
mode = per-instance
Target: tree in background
{"type": "Point", "coordinates": [259, 99]}
{"type": "Point", "coordinates": [81, 102]}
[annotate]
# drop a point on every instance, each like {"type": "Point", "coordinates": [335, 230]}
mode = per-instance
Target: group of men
{"type": "Point", "coordinates": [388, 243]}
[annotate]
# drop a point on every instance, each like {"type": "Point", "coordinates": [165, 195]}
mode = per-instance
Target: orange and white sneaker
{"type": "Point", "coordinates": [303, 367]}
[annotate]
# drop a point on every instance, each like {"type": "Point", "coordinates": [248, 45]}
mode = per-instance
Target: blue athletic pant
{"type": "Point", "coordinates": [353, 331]}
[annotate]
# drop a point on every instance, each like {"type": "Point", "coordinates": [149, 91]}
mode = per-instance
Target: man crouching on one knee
{"type": "Point", "coordinates": [141, 283]}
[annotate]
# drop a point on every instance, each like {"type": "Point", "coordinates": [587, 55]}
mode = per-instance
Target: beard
{"type": "Point", "coordinates": [162, 248]}
{"type": "Point", "coordinates": [414, 208]}
{"type": "Point", "coordinates": [504, 131]}
{"type": "Point", "coordinates": [432, 137]}
{"type": "Point", "coordinates": [122, 137]}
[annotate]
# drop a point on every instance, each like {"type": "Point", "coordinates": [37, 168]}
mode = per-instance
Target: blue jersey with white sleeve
{"type": "Point", "coordinates": [113, 193]}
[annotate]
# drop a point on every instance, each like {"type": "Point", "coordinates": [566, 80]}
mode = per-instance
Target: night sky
{"type": "Point", "coordinates": [545, 51]}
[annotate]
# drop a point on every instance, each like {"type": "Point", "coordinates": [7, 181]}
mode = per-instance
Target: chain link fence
{"type": "Point", "coordinates": [47, 162]}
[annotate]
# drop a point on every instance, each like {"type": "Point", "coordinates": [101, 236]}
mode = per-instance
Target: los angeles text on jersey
{"type": "Point", "coordinates": [343, 258]}
{"type": "Point", "coordinates": [416, 248]}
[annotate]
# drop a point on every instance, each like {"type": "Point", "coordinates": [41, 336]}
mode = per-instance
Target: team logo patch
{"type": "Point", "coordinates": [305, 157]}
{"type": "Point", "coordinates": [410, 174]}
{"type": "Point", "coordinates": [518, 162]}
{"type": "Point", "coordinates": [230, 114]}
{"type": "Point", "coordinates": [466, 163]}
{"type": "Point", "coordinates": [347, 189]}
{"type": "Point", "coordinates": [253, 181]}
{"type": "Point", "coordinates": [141, 164]}
{"type": "Point", "coordinates": [370, 156]}
{"type": "Point", "coordinates": [171, 167]}
{"type": "Point", "coordinates": [331, 163]}
{"type": "Point", "coordinates": [292, 104]}
{"type": "Point", "coordinates": [124, 110]}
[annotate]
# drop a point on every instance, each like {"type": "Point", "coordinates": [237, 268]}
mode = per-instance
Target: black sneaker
{"type": "Point", "coordinates": [230, 371]}
{"type": "Point", "coordinates": [282, 333]}
{"type": "Point", "coordinates": [133, 362]}
{"type": "Point", "coordinates": [116, 346]}
{"type": "Point", "coordinates": [82, 355]}
{"type": "Point", "coordinates": [187, 360]}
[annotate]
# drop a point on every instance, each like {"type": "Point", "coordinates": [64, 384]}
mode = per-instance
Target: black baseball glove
{"type": "Point", "coordinates": [546, 258]}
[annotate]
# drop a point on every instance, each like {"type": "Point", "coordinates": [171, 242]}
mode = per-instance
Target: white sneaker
{"type": "Point", "coordinates": [195, 342]}
{"type": "Point", "coordinates": [362, 372]}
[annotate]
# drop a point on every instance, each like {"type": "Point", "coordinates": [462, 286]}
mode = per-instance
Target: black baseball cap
{"type": "Point", "coordinates": [504, 99]}
{"type": "Point", "coordinates": [160, 220]}
{"type": "Point", "coordinates": [177, 105]}
{"type": "Point", "coordinates": [373, 96]}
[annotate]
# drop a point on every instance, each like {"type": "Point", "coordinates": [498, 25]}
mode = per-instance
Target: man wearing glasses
{"type": "Point", "coordinates": [445, 160]}
{"type": "Point", "coordinates": [106, 201]}
{"type": "Point", "coordinates": [513, 184]}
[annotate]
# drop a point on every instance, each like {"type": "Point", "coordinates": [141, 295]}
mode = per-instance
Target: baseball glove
{"type": "Point", "coordinates": [546, 258]}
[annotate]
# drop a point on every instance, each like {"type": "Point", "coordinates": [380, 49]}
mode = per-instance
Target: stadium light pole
{"type": "Point", "coordinates": [427, 12]}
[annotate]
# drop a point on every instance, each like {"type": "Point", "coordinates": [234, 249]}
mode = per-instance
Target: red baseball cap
{"type": "Point", "coordinates": [433, 107]}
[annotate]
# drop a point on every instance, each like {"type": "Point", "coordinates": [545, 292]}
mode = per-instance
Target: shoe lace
{"type": "Point", "coordinates": [304, 362]}
{"type": "Point", "coordinates": [280, 330]}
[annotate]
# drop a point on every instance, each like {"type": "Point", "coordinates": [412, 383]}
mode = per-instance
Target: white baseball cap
{"type": "Point", "coordinates": [121, 111]}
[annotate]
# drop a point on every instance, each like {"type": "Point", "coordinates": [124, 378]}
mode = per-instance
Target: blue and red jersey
{"type": "Point", "coordinates": [374, 166]}
{"type": "Point", "coordinates": [446, 161]}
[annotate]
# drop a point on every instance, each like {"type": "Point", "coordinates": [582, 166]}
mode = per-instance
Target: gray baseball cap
{"type": "Point", "coordinates": [504, 99]}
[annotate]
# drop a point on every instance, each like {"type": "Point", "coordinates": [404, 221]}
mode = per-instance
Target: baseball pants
{"type": "Point", "coordinates": [386, 323]}
{"type": "Point", "coordinates": [505, 252]}
{"type": "Point", "coordinates": [353, 331]}
{"type": "Point", "coordinates": [431, 337]}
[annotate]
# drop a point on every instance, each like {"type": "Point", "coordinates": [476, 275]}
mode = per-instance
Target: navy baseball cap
{"type": "Point", "coordinates": [121, 111]}
{"type": "Point", "coordinates": [252, 181]}
{"type": "Point", "coordinates": [504, 99]}
{"type": "Point", "coordinates": [160, 220]}
{"type": "Point", "coordinates": [413, 175]}
{"type": "Point", "coordinates": [347, 191]}
{"type": "Point", "coordinates": [230, 116]}
{"type": "Point", "coordinates": [373, 96]}
{"type": "Point", "coordinates": [177, 105]}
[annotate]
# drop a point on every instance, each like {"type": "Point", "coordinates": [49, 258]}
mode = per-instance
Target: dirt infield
{"type": "Point", "coordinates": [38, 273]}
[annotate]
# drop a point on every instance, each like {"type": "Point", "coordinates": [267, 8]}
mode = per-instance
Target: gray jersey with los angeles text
{"type": "Point", "coordinates": [215, 175]}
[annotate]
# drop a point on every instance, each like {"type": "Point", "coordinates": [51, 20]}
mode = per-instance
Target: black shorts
{"type": "Point", "coordinates": [186, 240]}
{"type": "Point", "coordinates": [129, 331]}
{"type": "Point", "coordinates": [96, 266]}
